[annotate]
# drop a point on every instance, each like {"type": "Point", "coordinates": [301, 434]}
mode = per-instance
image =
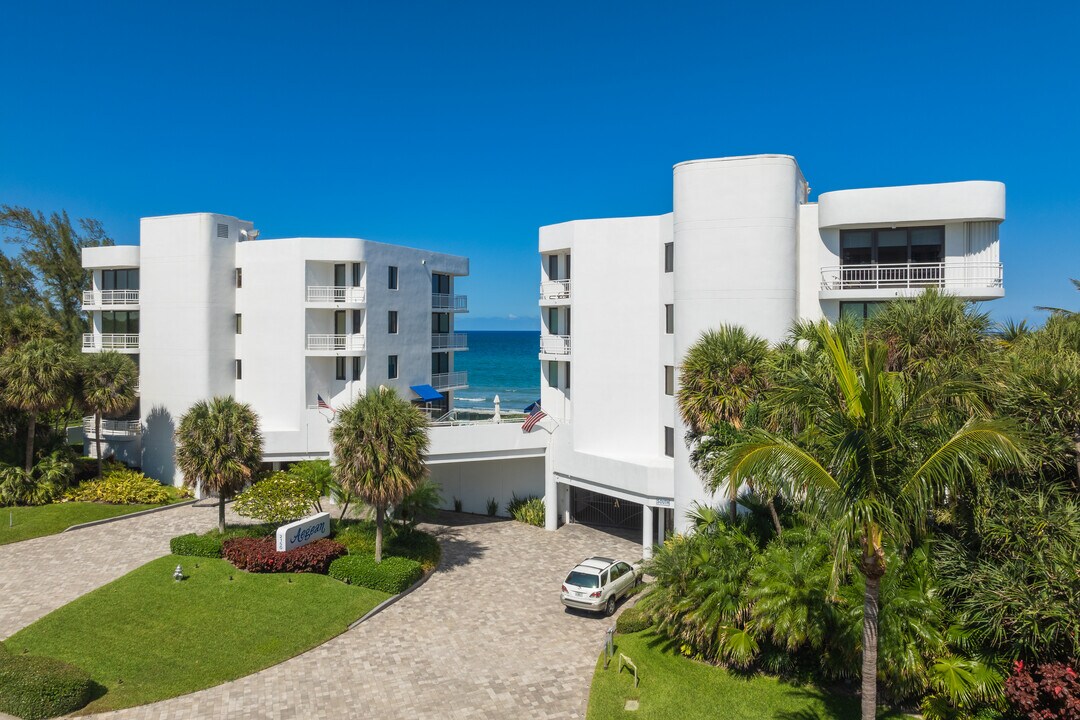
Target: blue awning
{"type": "Point", "coordinates": [427, 393]}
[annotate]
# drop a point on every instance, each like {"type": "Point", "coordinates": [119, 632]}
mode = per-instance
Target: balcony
{"type": "Point", "coordinates": [555, 292]}
{"type": "Point", "coordinates": [336, 294]}
{"type": "Point", "coordinates": [113, 429]}
{"type": "Point", "coordinates": [449, 303]}
{"type": "Point", "coordinates": [554, 344]}
{"type": "Point", "coordinates": [92, 342]}
{"type": "Point", "coordinates": [976, 280]}
{"type": "Point", "coordinates": [336, 344]}
{"type": "Point", "coordinates": [449, 341]}
{"type": "Point", "coordinates": [450, 381]}
{"type": "Point", "coordinates": [95, 299]}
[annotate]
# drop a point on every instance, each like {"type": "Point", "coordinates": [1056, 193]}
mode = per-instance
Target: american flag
{"type": "Point", "coordinates": [534, 417]}
{"type": "Point", "coordinates": [323, 405]}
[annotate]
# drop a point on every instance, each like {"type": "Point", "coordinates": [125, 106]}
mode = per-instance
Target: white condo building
{"type": "Point", "coordinates": [622, 299]}
{"type": "Point", "coordinates": [206, 309]}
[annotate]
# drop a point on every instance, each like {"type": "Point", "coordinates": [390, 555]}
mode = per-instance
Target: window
{"type": "Point", "coordinates": [393, 278]}
{"type": "Point", "coordinates": [339, 274]}
{"type": "Point", "coordinates": [239, 370]}
{"type": "Point", "coordinates": [553, 373]}
{"type": "Point", "coordinates": [391, 322]}
{"type": "Point", "coordinates": [391, 367]}
{"type": "Point", "coordinates": [357, 274]}
{"type": "Point", "coordinates": [567, 371]}
{"type": "Point", "coordinates": [553, 321]}
{"type": "Point", "coordinates": [239, 275]}
{"type": "Point", "coordinates": [669, 379]}
{"type": "Point", "coordinates": [357, 321]}
{"type": "Point", "coordinates": [553, 267]}
{"type": "Point", "coordinates": [120, 279]}
{"type": "Point", "coordinates": [857, 312]}
{"type": "Point", "coordinates": [357, 367]}
{"type": "Point", "coordinates": [669, 257]}
{"type": "Point", "coordinates": [669, 319]}
{"type": "Point", "coordinates": [120, 322]}
{"type": "Point", "coordinates": [566, 269]}
{"type": "Point", "coordinates": [440, 363]}
{"type": "Point", "coordinates": [239, 324]}
{"type": "Point", "coordinates": [440, 323]}
{"type": "Point", "coordinates": [440, 284]}
{"type": "Point", "coordinates": [669, 441]}
{"type": "Point", "coordinates": [892, 246]}
{"type": "Point", "coordinates": [339, 322]}
{"type": "Point", "coordinates": [339, 368]}
{"type": "Point", "coordinates": [567, 330]}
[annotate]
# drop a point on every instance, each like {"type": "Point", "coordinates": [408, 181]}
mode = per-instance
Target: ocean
{"type": "Point", "coordinates": [502, 363]}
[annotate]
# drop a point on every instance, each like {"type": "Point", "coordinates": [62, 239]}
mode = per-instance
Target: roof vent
{"type": "Point", "coordinates": [222, 230]}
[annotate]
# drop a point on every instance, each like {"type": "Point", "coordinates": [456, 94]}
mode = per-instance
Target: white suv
{"type": "Point", "coordinates": [598, 583]}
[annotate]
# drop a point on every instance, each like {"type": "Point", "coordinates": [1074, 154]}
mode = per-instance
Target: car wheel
{"type": "Point", "coordinates": [609, 608]}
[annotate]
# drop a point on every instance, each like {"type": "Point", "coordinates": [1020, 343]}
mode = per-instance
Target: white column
{"type": "Point", "coordinates": [564, 501]}
{"type": "Point", "coordinates": [661, 518]}
{"type": "Point", "coordinates": [646, 532]}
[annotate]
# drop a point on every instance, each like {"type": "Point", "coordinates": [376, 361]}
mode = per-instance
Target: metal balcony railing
{"type": "Point", "coordinates": [445, 381]}
{"type": "Point", "coordinates": [112, 428]}
{"type": "Point", "coordinates": [335, 294]}
{"type": "Point", "coordinates": [555, 290]}
{"type": "Point", "coordinates": [343, 343]}
{"type": "Point", "coordinates": [449, 341]}
{"type": "Point", "coordinates": [555, 344]}
{"type": "Point", "coordinates": [96, 298]}
{"type": "Point", "coordinates": [110, 341]}
{"type": "Point", "coordinates": [452, 303]}
{"type": "Point", "coordinates": [912, 275]}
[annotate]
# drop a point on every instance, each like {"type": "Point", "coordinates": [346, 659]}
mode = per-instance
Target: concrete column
{"type": "Point", "coordinates": [564, 500]}
{"type": "Point", "coordinates": [646, 532]}
{"type": "Point", "coordinates": [661, 518]}
{"type": "Point", "coordinates": [551, 502]}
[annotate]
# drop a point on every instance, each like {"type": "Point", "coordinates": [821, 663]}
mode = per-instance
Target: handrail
{"type": "Point", "coordinates": [110, 341]}
{"type": "Point", "coordinates": [110, 297]}
{"type": "Point", "coordinates": [911, 275]}
{"type": "Point", "coordinates": [444, 381]}
{"type": "Point", "coordinates": [127, 428]}
{"type": "Point", "coordinates": [335, 294]}
{"type": "Point", "coordinates": [554, 289]}
{"type": "Point", "coordinates": [555, 344]}
{"type": "Point", "coordinates": [449, 341]}
{"type": "Point", "coordinates": [454, 303]}
{"type": "Point", "coordinates": [336, 342]}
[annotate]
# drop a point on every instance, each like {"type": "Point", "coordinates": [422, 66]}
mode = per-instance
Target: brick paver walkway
{"type": "Point", "coordinates": [485, 637]}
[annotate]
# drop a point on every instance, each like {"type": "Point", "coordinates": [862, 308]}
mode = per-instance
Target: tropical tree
{"type": "Point", "coordinates": [35, 378]}
{"type": "Point", "coordinates": [107, 385]}
{"type": "Point", "coordinates": [219, 448]}
{"type": "Point", "coordinates": [1057, 310]}
{"type": "Point", "coordinates": [380, 442]}
{"type": "Point", "coordinates": [876, 455]}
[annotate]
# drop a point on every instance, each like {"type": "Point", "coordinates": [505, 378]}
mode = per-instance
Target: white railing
{"type": "Point", "coordinates": [110, 341]}
{"type": "Point", "coordinates": [110, 297]}
{"type": "Point", "coordinates": [453, 303]}
{"type": "Point", "coordinates": [335, 294]}
{"type": "Point", "coordinates": [445, 381]}
{"type": "Point", "coordinates": [912, 275]}
{"type": "Point", "coordinates": [554, 289]}
{"type": "Point", "coordinates": [555, 344]}
{"type": "Point", "coordinates": [115, 428]}
{"type": "Point", "coordinates": [336, 342]}
{"type": "Point", "coordinates": [449, 341]}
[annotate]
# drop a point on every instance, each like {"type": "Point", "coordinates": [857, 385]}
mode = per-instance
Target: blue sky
{"type": "Point", "coordinates": [464, 126]}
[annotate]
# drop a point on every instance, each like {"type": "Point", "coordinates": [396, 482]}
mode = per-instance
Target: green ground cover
{"type": "Point", "coordinates": [673, 686]}
{"type": "Point", "coordinates": [146, 637]}
{"type": "Point", "coordinates": [25, 522]}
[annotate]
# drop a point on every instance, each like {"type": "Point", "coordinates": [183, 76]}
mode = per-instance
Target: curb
{"type": "Point", "coordinates": [150, 511]}
{"type": "Point", "coordinates": [391, 600]}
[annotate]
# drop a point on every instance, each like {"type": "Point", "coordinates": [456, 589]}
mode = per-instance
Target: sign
{"type": "Point", "coordinates": [304, 531]}
{"type": "Point", "coordinates": [663, 502]}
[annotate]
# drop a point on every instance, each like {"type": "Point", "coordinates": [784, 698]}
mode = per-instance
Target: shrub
{"type": "Point", "coordinates": [260, 555]}
{"type": "Point", "coordinates": [414, 545]}
{"type": "Point", "coordinates": [492, 507]}
{"type": "Point", "coordinates": [457, 504]}
{"type": "Point", "coordinates": [280, 498]}
{"type": "Point", "coordinates": [121, 486]}
{"type": "Point", "coordinates": [423, 501]}
{"type": "Point", "coordinates": [529, 510]}
{"type": "Point", "coordinates": [357, 536]}
{"type": "Point", "coordinates": [208, 545]}
{"type": "Point", "coordinates": [1050, 692]}
{"type": "Point", "coordinates": [38, 687]}
{"type": "Point", "coordinates": [632, 620]}
{"type": "Point", "coordinates": [393, 575]}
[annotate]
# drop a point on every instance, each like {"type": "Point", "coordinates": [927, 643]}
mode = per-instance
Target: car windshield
{"type": "Point", "coordinates": [585, 580]}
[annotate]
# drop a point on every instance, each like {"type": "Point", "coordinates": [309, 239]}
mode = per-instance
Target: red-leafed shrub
{"type": "Point", "coordinates": [1049, 692]}
{"type": "Point", "coordinates": [260, 555]}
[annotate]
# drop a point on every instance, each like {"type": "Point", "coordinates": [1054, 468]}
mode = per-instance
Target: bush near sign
{"type": "Point", "coordinates": [304, 531]}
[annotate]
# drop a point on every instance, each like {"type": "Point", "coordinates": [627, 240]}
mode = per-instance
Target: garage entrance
{"type": "Point", "coordinates": [592, 508]}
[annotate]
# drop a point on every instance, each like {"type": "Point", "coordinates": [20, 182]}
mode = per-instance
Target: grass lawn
{"type": "Point", "coordinates": [673, 686]}
{"type": "Point", "coordinates": [23, 523]}
{"type": "Point", "coordinates": [146, 637]}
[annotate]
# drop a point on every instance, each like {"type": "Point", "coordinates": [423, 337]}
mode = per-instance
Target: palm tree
{"type": "Point", "coordinates": [108, 381]}
{"type": "Point", "coordinates": [876, 456]}
{"type": "Point", "coordinates": [1057, 310]}
{"type": "Point", "coordinates": [36, 378]}
{"type": "Point", "coordinates": [219, 447]}
{"type": "Point", "coordinates": [721, 376]}
{"type": "Point", "coordinates": [380, 442]}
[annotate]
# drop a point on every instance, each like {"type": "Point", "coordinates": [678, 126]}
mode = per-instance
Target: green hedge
{"type": "Point", "coordinates": [393, 575]}
{"type": "Point", "coordinates": [34, 687]}
{"type": "Point", "coordinates": [632, 620]}
{"type": "Point", "coordinates": [209, 544]}
{"type": "Point", "coordinates": [359, 537]}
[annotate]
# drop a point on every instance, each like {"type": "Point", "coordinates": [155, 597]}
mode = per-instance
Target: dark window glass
{"type": "Point", "coordinates": [339, 322]}
{"type": "Point", "coordinates": [239, 277]}
{"type": "Point", "coordinates": [567, 371]}
{"type": "Point", "coordinates": [393, 285]}
{"type": "Point", "coordinates": [440, 363]}
{"type": "Point", "coordinates": [357, 321]}
{"type": "Point", "coordinates": [440, 323]}
{"type": "Point", "coordinates": [239, 324]}
{"type": "Point", "coordinates": [927, 245]}
{"type": "Point", "coordinates": [239, 372]}
{"type": "Point", "coordinates": [357, 274]}
{"type": "Point", "coordinates": [440, 284]}
{"type": "Point", "coordinates": [669, 319]}
{"type": "Point", "coordinates": [391, 367]}
{"type": "Point", "coordinates": [669, 257]}
{"type": "Point", "coordinates": [859, 311]}
{"type": "Point", "coordinates": [553, 374]}
{"type": "Point", "coordinates": [339, 274]}
{"type": "Point", "coordinates": [120, 321]}
{"type": "Point", "coordinates": [856, 247]}
{"type": "Point", "coordinates": [357, 367]}
{"type": "Point", "coordinates": [391, 322]}
{"type": "Point", "coordinates": [669, 380]}
{"type": "Point", "coordinates": [669, 441]}
{"type": "Point", "coordinates": [339, 368]}
{"type": "Point", "coordinates": [567, 268]}
{"type": "Point", "coordinates": [108, 279]}
{"type": "Point", "coordinates": [553, 267]}
{"type": "Point", "coordinates": [553, 321]}
{"type": "Point", "coordinates": [892, 247]}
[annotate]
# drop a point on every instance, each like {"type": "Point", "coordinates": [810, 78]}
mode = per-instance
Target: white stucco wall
{"type": "Point", "coordinates": [475, 482]}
